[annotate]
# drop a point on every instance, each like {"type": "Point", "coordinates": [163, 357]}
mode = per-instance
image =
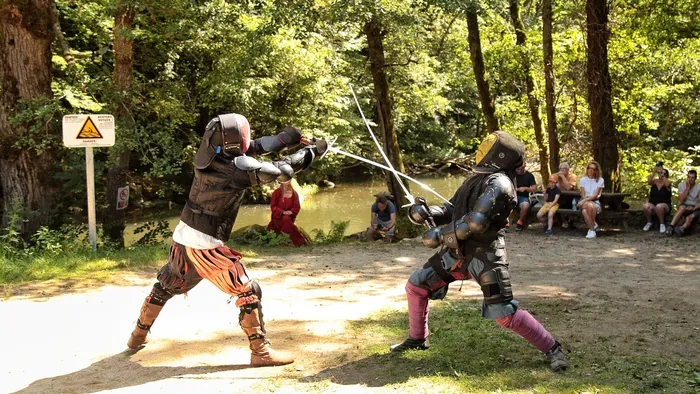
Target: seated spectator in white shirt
{"type": "Point", "coordinates": [591, 187]}
{"type": "Point", "coordinates": [689, 208]}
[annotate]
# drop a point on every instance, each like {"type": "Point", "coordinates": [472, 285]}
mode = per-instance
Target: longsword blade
{"type": "Point", "coordinates": [374, 163]}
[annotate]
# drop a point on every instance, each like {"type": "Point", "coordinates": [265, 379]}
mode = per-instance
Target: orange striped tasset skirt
{"type": "Point", "coordinates": [187, 266]}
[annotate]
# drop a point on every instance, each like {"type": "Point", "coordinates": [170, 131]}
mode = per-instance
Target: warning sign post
{"type": "Point", "coordinates": [122, 197]}
{"type": "Point", "coordinates": [89, 131]}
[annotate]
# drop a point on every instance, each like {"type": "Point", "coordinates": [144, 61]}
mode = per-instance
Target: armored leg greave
{"type": "Point", "coordinates": [418, 320]}
{"type": "Point", "coordinates": [529, 328]}
{"type": "Point", "coordinates": [251, 321]}
{"type": "Point", "coordinates": [534, 332]}
{"type": "Point", "coordinates": [150, 310]}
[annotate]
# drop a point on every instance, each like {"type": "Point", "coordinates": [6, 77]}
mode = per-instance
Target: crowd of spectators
{"type": "Point", "coordinates": [590, 186]}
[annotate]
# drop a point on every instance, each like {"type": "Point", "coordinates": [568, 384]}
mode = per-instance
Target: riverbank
{"type": "Point", "coordinates": [349, 202]}
{"type": "Point", "coordinates": [623, 305]}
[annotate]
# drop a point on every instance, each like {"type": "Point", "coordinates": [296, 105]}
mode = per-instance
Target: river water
{"type": "Point", "coordinates": [349, 202]}
{"type": "Point", "coordinates": [345, 202]}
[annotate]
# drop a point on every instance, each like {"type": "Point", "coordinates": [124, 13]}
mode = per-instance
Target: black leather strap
{"type": "Point", "coordinates": [435, 263]}
{"type": "Point", "coordinates": [199, 210]}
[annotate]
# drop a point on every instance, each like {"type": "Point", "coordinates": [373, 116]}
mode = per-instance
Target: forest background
{"type": "Point", "coordinates": [615, 81]}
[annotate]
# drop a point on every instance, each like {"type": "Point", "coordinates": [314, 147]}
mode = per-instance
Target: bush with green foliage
{"type": "Point", "coordinates": [271, 238]}
{"type": "Point", "coordinates": [406, 229]}
{"type": "Point", "coordinates": [260, 236]}
{"type": "Point", "coordinates": [335, 235]}
{"type": "Point", "coordinates": [292, 65]}
{"type": "Point", "coordinates": [154, 232]}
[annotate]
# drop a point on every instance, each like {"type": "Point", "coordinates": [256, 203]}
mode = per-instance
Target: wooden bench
{"type": "Point", "coordinates": [613, 207]}
{"type": "Point", "coordinates": [620, 216]}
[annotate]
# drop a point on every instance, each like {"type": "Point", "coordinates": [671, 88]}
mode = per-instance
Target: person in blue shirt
{"type": "Point", "coordinates": [383, 220]}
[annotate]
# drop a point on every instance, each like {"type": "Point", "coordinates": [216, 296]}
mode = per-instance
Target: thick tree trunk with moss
{"type": "Point", "coordinates": [487, 105]}
{"type": "Point", "coordinates": [532, 101]}
{"type": "Point", "coordinates": [551, 111]}
{"type": "Point", "coordinates": [599, 94]}
{"type": "Point", "coordinates": [113, 221]}
{"type": "Point", "coordinates": [382, 94]}
{"type": "Point", "coordinates": [25, 74]}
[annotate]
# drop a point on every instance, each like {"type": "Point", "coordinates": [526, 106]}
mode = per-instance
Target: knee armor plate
{"type": "Point", "coordinates": [495, 284]}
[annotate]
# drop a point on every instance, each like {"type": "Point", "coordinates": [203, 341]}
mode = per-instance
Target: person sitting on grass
{"type": "Point", "coordinates": [659, 198]}
{"type": "Point", "coordinates": [551, 205]}
{"type": "Point", "coordinates": [524, 185]}
{"type": "Point", "coordinates": [383, 219]}
{"type": "Point", "coordinates": [284, 207]}
{"type": "Point", "coordinates": [689, 208]}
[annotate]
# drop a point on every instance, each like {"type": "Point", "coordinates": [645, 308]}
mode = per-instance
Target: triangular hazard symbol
{"type": "Point", "coordinates": [89, 131]}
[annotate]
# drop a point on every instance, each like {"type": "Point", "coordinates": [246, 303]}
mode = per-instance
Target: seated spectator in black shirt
{"type": "Point", "coordinates": [659, 198]}
{"type": "Point", "coordinates": [524, 185]}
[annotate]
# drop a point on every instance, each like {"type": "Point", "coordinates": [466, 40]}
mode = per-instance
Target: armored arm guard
{"type": "Point", "coordinates": [289, 136]}
{"type": "Point", "coordinates": [495, 197]}
{"type": "Point", "coordinates": [441, 214]}
{"type": "Point", "coordinates": [258, 171]}
{"type": "Point", "coordinates": [300, 160]}
{"type": "Point", "coordinates": [421, 213]}
{"type": "Point", "coordinates": [281, 170]}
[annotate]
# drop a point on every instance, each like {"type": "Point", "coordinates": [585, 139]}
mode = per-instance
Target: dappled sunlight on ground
{"type": "Point", "coordinates": [405, 259]}
{"type": "Point", "coordinates": [70, 336]}
{"type": "Point", "coordinates": [625, 252]}
{"type": "Point", "coordinates": [684, 268]}
{"type": "Point", "coordinates": [547, 291]}
{"type": "Point", "coordinates": [632, 265]}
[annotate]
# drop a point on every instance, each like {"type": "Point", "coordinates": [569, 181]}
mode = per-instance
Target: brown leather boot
{"type": "Point", "coordinates": [261, 353]}
{"type": "Point", "coordinates": [149, 313]}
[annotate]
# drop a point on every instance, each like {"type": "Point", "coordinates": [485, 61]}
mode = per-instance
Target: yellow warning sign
{"type": "Point", "coordinates": [89, 131]}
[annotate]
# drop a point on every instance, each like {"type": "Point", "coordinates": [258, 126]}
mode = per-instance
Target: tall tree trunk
{"type": "Point", "coordinates": [25, 74]}
{"type": "Point", "coordinates": [551, 110]}
{"type": "Point", "coordinates": [599, 94]}
{"type": "Point", "coordinates": [382, 94]}
{"type": "Point", "coordinates": [532, 101]}
{"type": "Point", "coordinates": [487, 105]}
{"type": "Point", "coordinates": [113, 221]}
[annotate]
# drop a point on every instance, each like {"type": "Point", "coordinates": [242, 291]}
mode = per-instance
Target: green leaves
{"type": "Point", "coordinates": [290, 62]}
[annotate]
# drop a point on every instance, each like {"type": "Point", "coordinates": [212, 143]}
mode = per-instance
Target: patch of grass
{"type": "Point", "coordinates": [83, 263]}
{"type": "Point", "coordinates": [471, 354]}
{"type": "Point", "coordinates": [77, 264]}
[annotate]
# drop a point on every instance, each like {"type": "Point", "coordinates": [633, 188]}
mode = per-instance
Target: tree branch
{"type": "Point", "coordinates": [409, 61]}
{"type": "Point", "coordinates": [444, 35]}
{"type": "Point", "coordinates": [59, 34]}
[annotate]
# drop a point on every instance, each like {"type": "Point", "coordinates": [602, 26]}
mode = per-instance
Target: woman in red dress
{"type": "Point", "coordinates": [285, 208]}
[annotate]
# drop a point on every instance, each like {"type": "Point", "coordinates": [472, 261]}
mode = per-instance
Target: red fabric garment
{"type": "Point", "coordinates": [285, 223]}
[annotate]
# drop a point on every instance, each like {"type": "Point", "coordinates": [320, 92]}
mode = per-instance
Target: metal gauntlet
{"type": "Point", "coordinates": [419, 212]}
{"type": "Point", "coordinates": [449, 235]}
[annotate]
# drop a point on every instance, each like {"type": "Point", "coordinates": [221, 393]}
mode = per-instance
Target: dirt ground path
{"type": "Point", "coordinates": [636, 290]}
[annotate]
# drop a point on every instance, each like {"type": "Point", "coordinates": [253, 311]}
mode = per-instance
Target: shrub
{"type": "Point", "coordinates": [335, 235]}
